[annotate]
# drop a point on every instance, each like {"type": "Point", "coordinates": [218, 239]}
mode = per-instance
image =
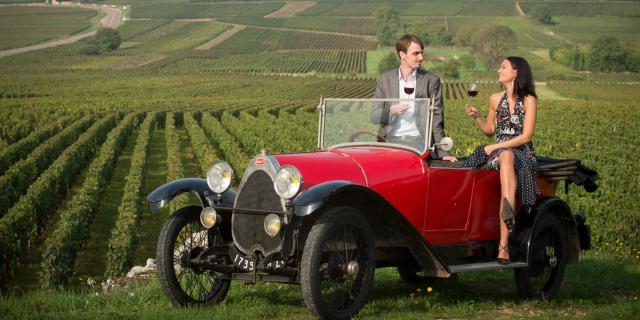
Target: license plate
{"type": "Point", "coordinates": [243, 262]}
{"type": "Point", "coordinates": [275, 264]}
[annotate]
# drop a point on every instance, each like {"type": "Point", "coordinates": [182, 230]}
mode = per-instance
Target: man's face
{"type": "Point", "coordinates": [413, 58]}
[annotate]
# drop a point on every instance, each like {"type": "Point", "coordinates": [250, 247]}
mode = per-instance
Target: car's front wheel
{"type": "Point", "coordinates": [182, 238]}
{"type": "Point", "coordinates": [547, 260]}
{"type": "Point", "coordinates": [337, 264]}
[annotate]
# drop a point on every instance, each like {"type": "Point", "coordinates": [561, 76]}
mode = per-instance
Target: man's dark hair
{"type": "Point", "coordinates": [405, 41]}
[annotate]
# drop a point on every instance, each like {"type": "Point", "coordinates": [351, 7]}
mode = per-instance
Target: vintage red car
{"type": "Point", "coordinates": [327, 219]}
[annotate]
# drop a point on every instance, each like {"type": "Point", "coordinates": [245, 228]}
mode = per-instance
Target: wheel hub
{"type": "Point", "coordinates": [553, 261]}
{"type": "Point", "coordinates": [353, 268]}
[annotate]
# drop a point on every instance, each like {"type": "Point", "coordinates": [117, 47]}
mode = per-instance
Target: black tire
{"type": "Point", "coordinates": [338, 264]}
{"type": "Point", "coordinates": [414, 275]}
{"type": "Point", "coordinates": [179, 240]}
{"type": "Point", "coordinates": [547, 260]}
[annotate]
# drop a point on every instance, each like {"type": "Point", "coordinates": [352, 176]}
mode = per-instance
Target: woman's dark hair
{"type": "Point", "coordinates": [523, 84]}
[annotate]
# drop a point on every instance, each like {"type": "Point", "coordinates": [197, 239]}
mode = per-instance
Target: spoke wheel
{"type": "Point", "coordinates": [337, 264]}
{"type": "Point", "coordinates": [547, 260]}
{"type": "Point", "coordinates": [182, 238]}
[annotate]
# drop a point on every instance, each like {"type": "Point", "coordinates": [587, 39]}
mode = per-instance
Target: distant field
{"type": "Point", "coordinates": [586, 29]}
{"type": "Point", "coordinates": [586, 8]}
{"type": "Point", "coordinates": [22, 26]}
{"type": "Point", "coordinates": [203, 10]}
{"type": "Point", "coordinates": [404, 8]}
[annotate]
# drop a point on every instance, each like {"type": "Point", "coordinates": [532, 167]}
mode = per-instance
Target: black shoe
{"type": "Point", "coordinates": [503, 261]}
{"type": "Point", "coordinates": [507, 214]}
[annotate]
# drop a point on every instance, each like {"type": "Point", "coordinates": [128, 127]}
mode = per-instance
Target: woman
{"type": "Point", "coordinates": [512, 117]}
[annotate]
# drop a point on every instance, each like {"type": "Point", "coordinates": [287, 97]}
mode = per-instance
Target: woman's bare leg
{"type": "Point", "coordinates": [508, 184]}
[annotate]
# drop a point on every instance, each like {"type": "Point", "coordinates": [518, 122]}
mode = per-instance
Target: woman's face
{"type": "Point", "coordinates": [506, 73]}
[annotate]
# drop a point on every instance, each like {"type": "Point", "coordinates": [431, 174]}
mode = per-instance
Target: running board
{"type": "Point", "coordinates": [493, 265]}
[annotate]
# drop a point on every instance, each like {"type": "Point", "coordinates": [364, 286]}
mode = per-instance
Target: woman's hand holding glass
{"type": "Point", "coordinates": [471, 111]}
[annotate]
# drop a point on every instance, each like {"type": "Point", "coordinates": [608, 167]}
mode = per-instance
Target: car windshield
{"type": "Point", "coordinates": [348, 122]}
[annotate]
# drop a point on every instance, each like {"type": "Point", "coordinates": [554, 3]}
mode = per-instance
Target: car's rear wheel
{"type": "Point", "coordinates": [547, 260]}
{"type": "Point", "coordinates": [337, 264]}
{"type": "Point", "coordinates": [182, 238]}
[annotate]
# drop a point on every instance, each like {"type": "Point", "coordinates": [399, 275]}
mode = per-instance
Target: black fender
{"type": "Point", "coordinates": [391, 228]}
{"type": "Point", "coordinates": [561, 210]}
{"type": "Point", "coordinates": [163, 194]}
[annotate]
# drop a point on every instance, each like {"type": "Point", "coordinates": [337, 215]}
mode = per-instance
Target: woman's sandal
{"type": "Point", "coordinates": [503, 260]}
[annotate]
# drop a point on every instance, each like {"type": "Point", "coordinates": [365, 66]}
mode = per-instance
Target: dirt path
{"type": "Point", "coordinates": [222, 37]}
{"type": "Point", "coordinates": [519, 10]}
{"type": "Point", "coordinates": [291, 8]}
{"type": "Point", "coordinates": [111, 20]}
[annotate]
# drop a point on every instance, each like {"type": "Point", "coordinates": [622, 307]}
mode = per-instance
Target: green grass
{"type": "Point", "coordinates": [23, 26]}
{"type": "Point", "coordinates": [584, 30]}
{"type": "Point", "coordinates": [598, 287]}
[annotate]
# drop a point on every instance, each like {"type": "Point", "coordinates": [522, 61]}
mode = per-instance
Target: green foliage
{"type": "Point", "coordinates": [389, 61]}
{"type": "Point", "coordinates": [108, 39]}
{"type": "Point", "coordinates": [574, 57]}
{"type": "Point", "coordinates": [175, 170]}
{"type": "Point", "coordinates": [124, 235]}
{"type": "Point", "coordinates": [467, 62]}
{"type": "Point", "coordinates": [17, 179]}
{"type": "Point", "coordinates": [607, 54]}
{"type": "Point", "coordinates": [451, 69]}
{"type": "Point", "coordinates": [90, 49]}
{"type": "Point", "coordinates": [388, 26]}
{"type": "Point", "coordinates": [542, 14]}
{"type": "Point", "coordinates": [72, 229]}
{"type": "Point", "coordinates": [105, 40]}
{"type": "Point", "coordinates": [492, 43]}
{"type": "Point", "coordinates": [22, 223]}
{"type": "Point", "coordinates": [19, 150]}
{"type": "Point", "coordinates": [464, 36]}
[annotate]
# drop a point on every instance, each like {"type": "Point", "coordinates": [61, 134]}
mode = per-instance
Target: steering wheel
{"type": "Point", "coordinates": [357, 133]}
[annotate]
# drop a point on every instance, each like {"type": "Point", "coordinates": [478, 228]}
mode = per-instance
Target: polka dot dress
{"type": "Point", "coordinates": [509, 126]}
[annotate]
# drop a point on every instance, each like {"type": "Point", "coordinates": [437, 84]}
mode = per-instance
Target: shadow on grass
{"type": "Point", "coordinates": [597, 279]}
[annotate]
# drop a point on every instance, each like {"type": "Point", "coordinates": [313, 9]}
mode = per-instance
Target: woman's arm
{"type": "Point", "coordinates": [530, 106]}
{"type": "Point", "coordinates": [488, 125]}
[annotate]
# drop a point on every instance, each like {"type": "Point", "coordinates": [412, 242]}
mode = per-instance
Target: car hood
{"type": "Point", "coordinates": [377, 168]}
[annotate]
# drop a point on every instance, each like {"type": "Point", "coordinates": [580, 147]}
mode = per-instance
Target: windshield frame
{"type": "Point", "coordinates": [322, 121]}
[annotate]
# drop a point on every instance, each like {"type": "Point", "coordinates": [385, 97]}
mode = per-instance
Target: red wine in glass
{"type": "Point", "coordinates": [473, 90]}
{"type": "Point", "coordinates": [408, 90]}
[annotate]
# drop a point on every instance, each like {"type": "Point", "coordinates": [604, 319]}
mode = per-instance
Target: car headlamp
{"type": "Point", "coordinates": [272, 224]}
{"type": "Point", "coordinates": [288, 182]}
{"type": "Point", "coordinates": [209, 217]}
{"type": "Point", "coordinates": [219, 176]}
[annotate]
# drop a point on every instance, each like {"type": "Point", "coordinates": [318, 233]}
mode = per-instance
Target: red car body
{"type": "Point", "coordinates": [414, 188]}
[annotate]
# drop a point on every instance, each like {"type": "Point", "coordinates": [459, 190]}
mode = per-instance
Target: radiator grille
{"type": "Point", "coordinates": [248, 228]}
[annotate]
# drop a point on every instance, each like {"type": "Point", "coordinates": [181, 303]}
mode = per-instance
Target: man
{"type": "Point", "coordinates": [403, 123]}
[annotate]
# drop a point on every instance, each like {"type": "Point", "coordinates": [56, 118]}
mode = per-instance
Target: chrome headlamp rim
{"type": "Point", "coordinates": [219, 176]}
{"type": "Point", "coordinates": [287, 182]}
{"type": "Point", "coordinates": [272, 224]}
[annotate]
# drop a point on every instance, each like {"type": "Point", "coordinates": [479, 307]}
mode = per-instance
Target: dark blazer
{"type": "Point", "coordinates": [427, 85]}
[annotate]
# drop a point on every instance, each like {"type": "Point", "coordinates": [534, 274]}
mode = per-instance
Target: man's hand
{"type": "Point", "coordinates": [398, 109]}
{"type": "Point", "coordinates": [450, 158]}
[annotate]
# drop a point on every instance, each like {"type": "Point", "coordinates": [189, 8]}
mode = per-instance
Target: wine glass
{"type": "Point", "coordinates": [472, 90]}
{"type": "Point", "coordinates": [408, 89]}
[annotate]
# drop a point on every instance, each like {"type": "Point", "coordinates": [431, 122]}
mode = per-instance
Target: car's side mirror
{"type": "Point", "coordinates": [445, 144]}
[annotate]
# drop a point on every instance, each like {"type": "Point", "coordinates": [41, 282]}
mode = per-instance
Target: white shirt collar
{"type": "Point", "coordinates": [414, 73]}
